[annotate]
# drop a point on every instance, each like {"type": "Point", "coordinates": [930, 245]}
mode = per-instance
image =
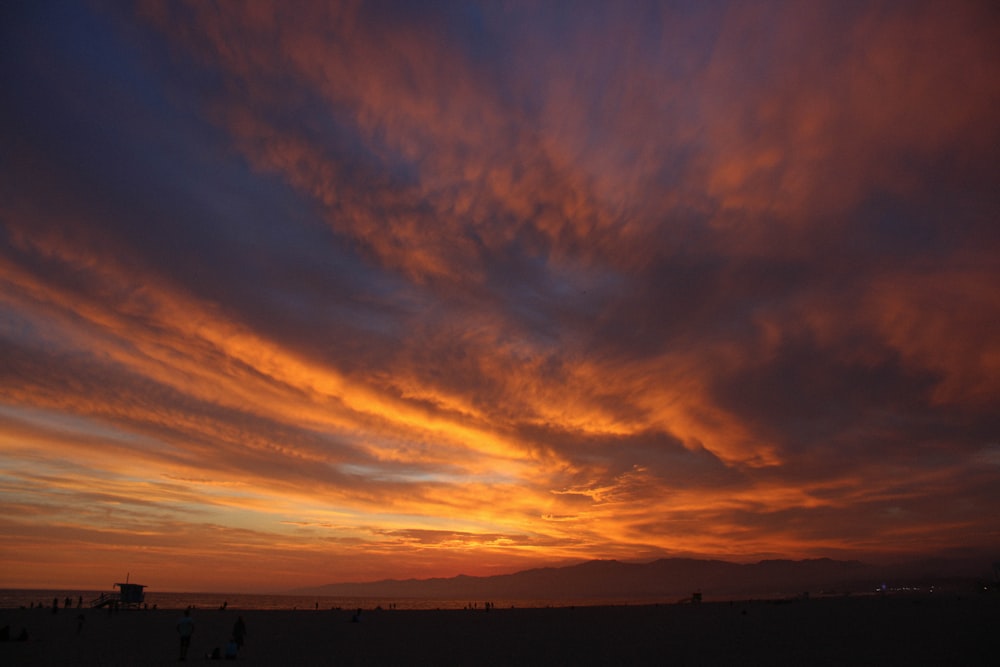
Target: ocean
{"type": "Point", "coordinates": [16, 598]}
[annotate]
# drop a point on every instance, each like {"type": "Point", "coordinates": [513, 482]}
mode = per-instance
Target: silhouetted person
{"type": "Point", "coordinates": [239, 631]}
{"type": "Point", "coordinates": [55, 605]}
{"type": "Point", "coordinates": [79, 602]}
{"type": "Point", "coordinates": [185, 628]}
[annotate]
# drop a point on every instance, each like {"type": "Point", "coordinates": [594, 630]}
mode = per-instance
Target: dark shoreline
{"type": "Point", "coordinates": [930, 629]}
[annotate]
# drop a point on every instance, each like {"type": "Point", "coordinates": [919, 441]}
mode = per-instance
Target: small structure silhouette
{"type": "Point", "coordinates": [128, 595]}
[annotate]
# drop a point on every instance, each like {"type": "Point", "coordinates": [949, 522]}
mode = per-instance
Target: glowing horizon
{"type": "Point", "coordinates": [353, 291]}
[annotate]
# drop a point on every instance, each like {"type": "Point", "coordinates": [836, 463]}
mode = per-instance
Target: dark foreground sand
{"type": "Point", "coordinates": [929, 630]}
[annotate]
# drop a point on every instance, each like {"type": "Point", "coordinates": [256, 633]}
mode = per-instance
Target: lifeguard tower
{"type": "Point", "coordinates": [127, 595]}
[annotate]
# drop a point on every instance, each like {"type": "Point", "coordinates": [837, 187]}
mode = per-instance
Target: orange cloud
{"type": "Point", "coordinates": [455, 293]}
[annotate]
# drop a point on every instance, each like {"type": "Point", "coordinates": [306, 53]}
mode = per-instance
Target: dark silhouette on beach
{"type": "Point", "coordinates": [185, 628]}
{"type": "Point", "coordinates": [239, 631]}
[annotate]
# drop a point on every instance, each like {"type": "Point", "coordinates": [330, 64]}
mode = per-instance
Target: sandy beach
{"type": "Point", "coordinates": [927, 630]}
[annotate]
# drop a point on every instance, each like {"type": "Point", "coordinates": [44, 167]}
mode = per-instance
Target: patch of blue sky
{"type": "Point", "coordinates": [577, 281]}
{"type": "Point", "coordinates": [393, 473]}
{"type": "Point", "coordinates": [460, 524]}
{"type": "Point", "coordinates": [27, 328]}
{"type": "Point", "coordinates": [562, 290]}
{"type": "Point", "coordinates": [74, 426]}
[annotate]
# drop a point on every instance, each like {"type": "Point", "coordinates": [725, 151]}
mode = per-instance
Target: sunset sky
{"type": "Point", "coordinates": [297, 292]}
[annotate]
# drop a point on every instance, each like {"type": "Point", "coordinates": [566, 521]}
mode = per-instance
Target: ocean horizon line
{"type": "Point", "coordinates": [43, 599]}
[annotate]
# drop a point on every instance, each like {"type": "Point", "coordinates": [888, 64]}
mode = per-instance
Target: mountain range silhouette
{"type": "Point", "coordinates": [665, 580]}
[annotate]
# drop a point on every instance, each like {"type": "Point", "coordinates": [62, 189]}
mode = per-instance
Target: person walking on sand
{"type": "Point", "coordinates": [185, 628]}
{"type": "Point", "coordinates": [239, 631]}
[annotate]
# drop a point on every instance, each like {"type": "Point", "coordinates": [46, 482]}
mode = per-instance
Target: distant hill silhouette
{"type": "Point", "coordinates": [664, 580]}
